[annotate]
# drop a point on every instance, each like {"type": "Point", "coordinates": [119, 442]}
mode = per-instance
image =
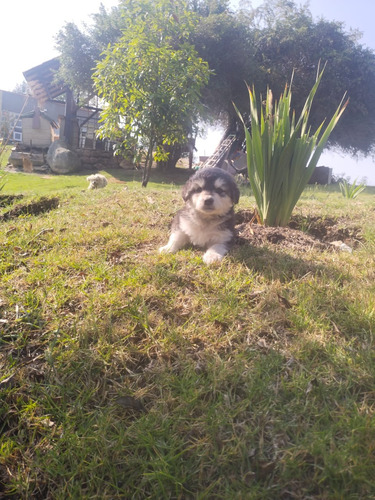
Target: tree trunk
{"type": "Point", "coordinates": [174, 151]}
{"type": "Point", "coordinates": [70, 117]}
{"type": "Point", "coordinates": [148, 166]}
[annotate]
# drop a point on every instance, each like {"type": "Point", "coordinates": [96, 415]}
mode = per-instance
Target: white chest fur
{"type": "Point", "coordinates": [205, 232]}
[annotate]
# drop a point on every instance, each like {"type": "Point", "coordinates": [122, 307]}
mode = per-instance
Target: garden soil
{"type": "Point", "coordinates": [301, 234]}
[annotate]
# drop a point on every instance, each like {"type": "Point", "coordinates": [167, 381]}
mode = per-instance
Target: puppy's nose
{"type": "Point", "coordinates": [208, 201]}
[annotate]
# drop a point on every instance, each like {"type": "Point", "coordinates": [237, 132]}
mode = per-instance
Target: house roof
{"type": "Point", "coordinates": [43, 114]}
{"type": "Point", "coordinates": [13, 102]}
{"type": "Point", "coordinates": [41, 80]}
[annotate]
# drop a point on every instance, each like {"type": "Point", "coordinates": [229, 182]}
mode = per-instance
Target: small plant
{"type": "Point", "coordinates": [282, 154]}
{"type": "Point", "coordinates": [2, 180]}
{"type": "Point", "coordinates": [351, 191]}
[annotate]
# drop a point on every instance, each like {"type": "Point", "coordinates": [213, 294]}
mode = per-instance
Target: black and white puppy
{"type": "Point", "coordinates": [207, 219]}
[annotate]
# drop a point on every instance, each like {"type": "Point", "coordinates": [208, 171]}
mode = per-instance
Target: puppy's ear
{"type": "Point", "coordinates": [186, 191]}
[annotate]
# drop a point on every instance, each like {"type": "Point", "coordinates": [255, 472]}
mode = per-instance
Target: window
{"type": "Point", "coordinates": [18, 126]}
{"type": "Point", "coordinates": [17, 131]}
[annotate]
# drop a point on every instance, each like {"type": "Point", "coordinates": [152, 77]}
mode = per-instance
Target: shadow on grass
{"type": "Point", "coordinates": [278, 265]}
{"type": "Point", "coordinates": [176, 177]}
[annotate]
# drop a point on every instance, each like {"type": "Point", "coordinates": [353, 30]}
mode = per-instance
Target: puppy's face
{"type": "Point", "coordinates": [211, 192]}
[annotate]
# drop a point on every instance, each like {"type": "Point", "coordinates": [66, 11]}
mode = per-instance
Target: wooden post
{"type": "Point", "coordinates": [70, 114]}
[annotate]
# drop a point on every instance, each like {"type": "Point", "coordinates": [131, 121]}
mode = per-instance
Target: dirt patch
{"type": "Point", "coordinates": [285, 237]}
{"type": "Point", "coordinates": [113, 180]}
{"type": "Point", "coordinates": [33, 208]}
{"type": "Point", "coordinates": [329, 229]}
{"type": "Point", "coordinates": [302, 233]}
{"type": "Point", "coordinates": [8, 199]}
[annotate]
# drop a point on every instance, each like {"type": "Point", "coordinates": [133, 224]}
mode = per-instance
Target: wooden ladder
{"type": "Point", "coordinates": [219, 154]}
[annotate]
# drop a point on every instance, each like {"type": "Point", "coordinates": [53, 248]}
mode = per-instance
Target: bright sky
{"type": "Point", "coordinates": [28, 29]}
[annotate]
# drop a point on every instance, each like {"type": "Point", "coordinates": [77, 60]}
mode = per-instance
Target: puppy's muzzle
{"type": "Point", "coordinates": [209, 201]}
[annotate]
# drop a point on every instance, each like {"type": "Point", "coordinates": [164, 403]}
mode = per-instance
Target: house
{"type": "Point", "coordinates": [16, 108]}
{"type": "Point", "coordinates": [33, 122]}
{"type": "Point", "coordinates": [78, 124]}
{"type": "Point", "coordinates": [12, 105]}
{"type": "Point", "coordinates": [55, 103]}
{"type": "Point", "coordinates": [38, 129]}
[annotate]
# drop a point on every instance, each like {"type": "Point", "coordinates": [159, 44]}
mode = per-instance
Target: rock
{"type": "Point", "coordinates": [99, 166]}
{"type": "Point", "coordinates": [19, 158]}
{"type": "Point", "coordinates": [342, 246]}
{"type": "Point", "coordinates": [126, 164]}
{"type": "Point", "coordinates": [16, 159]}
{"type": "Point", "coordinates": [321, 175]}
{"type": "Point", "coordinates": [37, 159]}
{"type": "Point", "coordinates": [42, 169]}
{"type": "Point", "coordinates": [61, 159]}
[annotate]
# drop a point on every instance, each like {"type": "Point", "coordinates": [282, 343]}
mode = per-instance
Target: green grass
{"type": "Point", "coordinates": [38, 185]}
{"type": "Point", "coordinates": [129, 374]}
{"type": "Point", "coordinates": [4, 155]}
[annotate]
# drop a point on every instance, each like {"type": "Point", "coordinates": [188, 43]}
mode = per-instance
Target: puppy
{"type": "Point", "coordinates": [207, 219]}
{"type": "Point", "coordinates": [97, 181]}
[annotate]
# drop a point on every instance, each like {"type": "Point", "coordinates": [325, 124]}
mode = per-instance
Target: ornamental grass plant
{"type": "Point", "coordinates": [282, 152]}
{"type": "Point", "coordinates": [351, 191]}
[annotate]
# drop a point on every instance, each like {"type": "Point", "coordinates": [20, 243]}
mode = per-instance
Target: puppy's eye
{"type": "Point", "coordinates": [220, 191]}
{"type": "Point", "coordinates": [198, 190]}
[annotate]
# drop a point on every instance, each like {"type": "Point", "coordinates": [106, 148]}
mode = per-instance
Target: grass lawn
{"type": "Point", "coordinates": [129, 374]}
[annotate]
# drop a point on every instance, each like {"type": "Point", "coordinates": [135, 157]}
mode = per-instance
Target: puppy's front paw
{"type": "Point", "coordinates": [212, 257]}
{"type": "Point", "coordinates": [165, 249]}
{"type": "Point", "coordinates": [176, 241]}
{"type": "Point", "coordinates": [215, 254]}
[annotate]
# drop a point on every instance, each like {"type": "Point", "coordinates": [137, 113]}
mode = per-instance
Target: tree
{"type": "Point", "coordinates": [207, 8]}
{"type": "Point", "coordinates": [5, 125]}
{"type": "Point", "coordinates": [264, 46]}
{"type": "Point", "coordinates": [288, 40]}
{"type": "Point", "coordinates": [259, 46]}
{"type": "Point", "coordinates": [21, 88]}
{"type": "Point", "coordinates": [151, 79]}
{"type": "Point", "coordinates": [81, 49]}
{"type": "Point", "coordinates": [226, 43]}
